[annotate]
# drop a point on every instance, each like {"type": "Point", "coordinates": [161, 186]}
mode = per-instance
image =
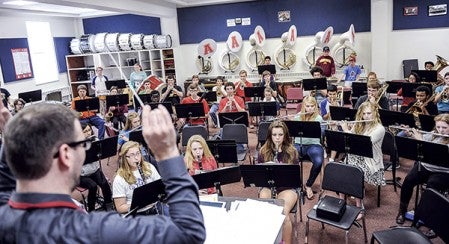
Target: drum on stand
{"type": "Point", "coordinates": [148, 41]}
{"type": "Point", "coordinates": [75, 46]}
{"type": "Point", "coordinates": [162, 41]}
{"type": "Point", "coordinates": [85, 43]}
{"type": "Point", "coordinates": [111, 41]}
{"type": "Point", "coordinates": [137, 41]}
{"type": "Point", "coordinates": [155, 83]}
{"type": "Point", "coordinates": [100, 42]}
{"type": "Point", "coordinates": [124, 41]}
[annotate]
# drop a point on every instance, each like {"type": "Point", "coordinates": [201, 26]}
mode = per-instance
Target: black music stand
{"type": "Point", "coordinates": [117, 101]}
{"type": "Point", "coordinates": [388, 118]}
{"type": "Point", "coordinates": [217, 178]}
{"type": "Point", "coordinates": [427, 122]}
{"type": "Point", "coordinates": [87, 105]}
{"type": "Point", "coordinates": [272, 175]}
{"type": "Point", "coordinates": [255, 91]}
{"type": "Point", "coordinates": [359, 89]}
{"type": "Point", "coordinates": [342, 113]}
{"type": "Point", "coordinates": [262, 108]}
{"type": "Point", "coordinates": [394, 87]}
{"type": "Point", "coordinates": [101, 149]}
{"type": "Point", "coordinates": [233, 118]}
{"type": "Point", "coordinates": [145, 195]}
{"type": "Point", "coordinates": [189, 110]}
{"type": "Point", "coordinates": [427, 75]}
{"type": "Point", "coordinates": [138, 137]}
{"type": "Point", "coordinates": [314, 84]}
{"type": "Point", "coordinates": [269, 67]}
{"type": "Point", "coordinates": [224, 151]}
{"type": "Point", "coordinates": [120, 84]}
{"type": "Point", "coordinates": [210, 96]}
{"type": "Point", "coordinates": [423, 151]}
{"type": "Point", "coordinates": [349, 143]}
{"type": "Point", "coordinates": [31, 96]}
{"type": "Point", "coordinates": [409, 89]}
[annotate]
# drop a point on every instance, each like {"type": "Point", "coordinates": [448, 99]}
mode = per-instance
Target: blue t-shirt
{"type": "Point", "coordinates": [443, 106]}
{"type": "Point", "coordinates": [352, 72]}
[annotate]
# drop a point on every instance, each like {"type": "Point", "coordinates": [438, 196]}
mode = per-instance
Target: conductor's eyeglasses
{"type": "Point", "coordinates": [86, 144]}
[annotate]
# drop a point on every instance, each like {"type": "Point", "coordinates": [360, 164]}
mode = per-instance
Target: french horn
{"type": "Point", "coordinates": [204, 65]}
{"type": "Point", "coordinates": [229, 61]}
{"type": "Point", "coordinates": [342, 51]}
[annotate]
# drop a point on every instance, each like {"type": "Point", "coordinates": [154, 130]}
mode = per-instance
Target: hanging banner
{"type": "Point", "coordinates": [22, 64]}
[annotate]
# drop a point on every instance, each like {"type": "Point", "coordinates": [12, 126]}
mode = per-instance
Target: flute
{"type": "Point", "coordinates": [287, 116]}
{"type": "Point", "coordinates": [338, 122]}
{"type": "Point", "coordinates": [420, 131]}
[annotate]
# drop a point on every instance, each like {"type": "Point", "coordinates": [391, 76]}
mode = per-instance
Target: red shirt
{"type": "Point", "coordinates": [208, 164]}
{"type": "Point", "coordinates": [199, 121]}
{"type": "Point", "coordinates": [240, 92]}
{"type": "Point", "coordinates": [225, 100]}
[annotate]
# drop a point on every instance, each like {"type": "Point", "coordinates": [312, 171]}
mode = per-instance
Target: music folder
{"type": "Point", "coordinates": [31, 96]}
{"type": "Point", "coordinates": [269, 67]}
{"type": "Point", "coordinates": [359, 89]}
{"type": "Point", "coordinates": [394, 86]}
{"type": "Point", "coordinates": [210, 96]}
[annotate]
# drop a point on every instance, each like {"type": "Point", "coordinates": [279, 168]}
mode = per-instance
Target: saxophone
{"type": "Point", "coordinates": [219, 92]}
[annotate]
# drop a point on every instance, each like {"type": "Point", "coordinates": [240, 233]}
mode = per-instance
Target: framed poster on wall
{"type": "Point", "coordinates": [22, 64]}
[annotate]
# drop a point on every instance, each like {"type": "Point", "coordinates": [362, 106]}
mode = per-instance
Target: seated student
{"type": "Point", "coordinates": [198, 158]}
{"type": "Point", "coordinates": [310, 146]}
{"type": "Point", "coordinates": [442, 95]}
{"type": "Point", "coordinates": [92, 177]}
{"type": "Point", "coordinates": [132, 123]}
{"type": "Point", "coordinates": [172, 92]}
{"type": "Point", "coordinates": [196, 80]}
{"type": "Point", "coordinates": [373, 88]}
{"type": "Point", "coordinates": [155, 96]}
{"type": "Point", "coordinates": [18, 105]}
{"type": "Point", "coordinates": [317, 73]}
{"type": "Point", "coordinates": [268, 81]}
{"type": "Point", "coordinates": [132, 173]}
{"type": "Point", "coordinates": [268, 97]}
{"type": "Point", "coordinates": [422, 105]}
{"type": "Point", "coordinates": [239, 86]}
{"type": "Point", "coordinates": [412, 78]}
{"type": "Point", "coordinates": [435, 177]}
{"type": "Point", "coordinates": [231, 103]}
{"type": "Point", "coordinates": [89, 116]}
{"type": "Point", "coordinates": [146, 87]}
{"type": "Point", "coordinates": [278, 148]}
{"type": "Point", "coordinates": [330, 101]}
{"type": "Point", "coordinates": [372, 76]}
{"type": "Point", "coordinates": [221, 93]}
{"type": "Point", "coordinates": [369, 125]}
{"type": "Point", "coordinates": [194, 98]}
{"type": "Point", "coordinates": [116, 114]}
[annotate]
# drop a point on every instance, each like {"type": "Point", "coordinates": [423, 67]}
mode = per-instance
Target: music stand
{"type": "Point", "coordinates": [349, 143]}
{"type": "Point", "coordinates": [269, 67]}
{"type": "Point", "coordinates": [211, 97]}
{"type": "Point", "coordinates": [189, 110]}
{"type": "Point", "coordinates": [117, 101]}
{"type": "Point", "coordinates": [145, 195]}
{"type": "Point", "coordinates": [86, 105]}
{"type": "Point", "coordinates": [359, 89]}
{"type": "Point", "coordinates": [409, 89]}
{"type": "Point", "coordinates": [262, 108]}
{"type": "Point", "coordinates": [233, 118]}
{"type": "Point", "coordinates": [427, 122]}
{"type": "Point", "coordinates": [31, 96]}
{"type": "Point", "coordinates": [101, 149]}
{"type": "Point", "coordinates": [314, 84]}
{"type": "Point", "coordinates": [394, 87]}
{"type": "Point", "coordinates": [217, 178]}
{"type": "Point", "coordinates": [138, 137]}
{"type": "Point", "coordinates": [120, 84]}
{"type": "Point", "coordinates": [388, 118]}
{"type": "Point", "coordinates": [423, 151]}
{"type": "Point", "coordinates": [224, 151]}
{"type": "Point", "coordinates": [255, 91]}
{"type": "Point", "coordinates": [427, 75]}
{"type": "Point", "coordinates": [342, 113]}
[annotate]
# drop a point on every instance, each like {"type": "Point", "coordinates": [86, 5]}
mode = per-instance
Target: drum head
{"type": "Point", "coordinates": [124, 41]}
{"type": "Point", "coordinates": [75, 46]}
{"type": "Point", "coordinates": [112, 42]}
{"type": "Point", "coordinates": [137, 41]}
{"type": "Point", "coordinates": [100, 42]}
{"type": "Point", "coordinates": [84, 44]}
{"type": "Point", "coordinates": [148, 41]}
{"type": "Point", "coordinates": [162, 41]}
{"type": "Point", "coordinates": [91, 40]}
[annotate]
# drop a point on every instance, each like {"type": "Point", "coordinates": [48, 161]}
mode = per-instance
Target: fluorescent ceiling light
{"type": "Point", "coordinates": [20, 3]}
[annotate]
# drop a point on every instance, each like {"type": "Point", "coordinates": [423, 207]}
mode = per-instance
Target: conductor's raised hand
{"type": "Point", "coordinates": [159, 133]}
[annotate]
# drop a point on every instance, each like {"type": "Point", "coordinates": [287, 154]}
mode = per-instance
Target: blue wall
{"type": "Point", "coordinates": [126, 23]}
{"type": "Point", "coordinates": [309, 16]}
{"type": "Point", "coordinates": [8, 70]}
{"type": "Point", "coordinates": [420, 21]}
{"type": "Point", "coordinates": [62, 48]}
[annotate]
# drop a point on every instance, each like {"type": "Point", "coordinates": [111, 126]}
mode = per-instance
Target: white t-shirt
{"type": "Point", "coordinates": [121, 188]}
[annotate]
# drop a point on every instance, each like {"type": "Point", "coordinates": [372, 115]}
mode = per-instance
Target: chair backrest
{"type": "Point", "coordinates": [189, 131]}
{"type": "Point", "coordinates": [294, 93]}
{"type": "Point", "coordinates": [237, 132]}
{"type": "Point", "coordinates": [262, 132]}
{"type": "Point", "coordinates": [389, 146]}
{"type": "Point", "coordinates": [433, 210]}
{"type": "Point", "coordinates": [344, 178]}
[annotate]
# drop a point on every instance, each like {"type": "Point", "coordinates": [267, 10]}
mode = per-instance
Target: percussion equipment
{"type": "Point", "coordinates": [162, 41]}
{"type": "Point", "coordinates": [87, 43]}
{"type": "Point", "coordinates": [137, 41]}
{"type": "Point", "coordinates": [148, 41]}
{"type": "Point", "coordinates": [155, 83]}
{"type": "Point", "coordinates": [100, 42]}
{"type": "Point", "coordinates": [75, 46]}
{"type": "Point", "coordinates": [111, 41]}
{"type": "Point", "coordinates": [124, 41]}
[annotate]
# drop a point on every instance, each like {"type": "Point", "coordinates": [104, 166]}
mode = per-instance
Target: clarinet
{"type": "Point", "coordinates": [139, 167]}
{"type": "Point", "coordinates": [276, 153]}
{"type": "Point", "coordinates": [200, 164]}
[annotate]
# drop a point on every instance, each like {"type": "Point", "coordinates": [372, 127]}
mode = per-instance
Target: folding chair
{"type": "Point", "coordinates": [294, 97]}
{"type": "Point", "coordinates": [336, 179]}
{"type": "Point", "coordinates": [239, 133]}
{"type": "Point", "coordinates": [433, 211]}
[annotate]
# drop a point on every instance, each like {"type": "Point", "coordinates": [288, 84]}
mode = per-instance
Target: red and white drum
{"type": "Point", "coordinates": [137, 41]}
{"type": "Point", "coordinates": [124, 41]}
{"type": "Point", "coordinates": [111, 41]}
{"type": "Point", "coordinates": [162, 41]}
{"type": "Point", "coordinates": [100, 42]}
{"type": "Point", "coordinates": [156, 83]}
{"type": "Point", "coordinates": [75, 46]}
{"type": "Point", "coordinates": [148, 41]}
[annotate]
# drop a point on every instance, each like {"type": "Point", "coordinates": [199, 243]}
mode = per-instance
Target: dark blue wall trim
{"type": "Point", "coordinates": [422, 20]}
{"type": "Point", "coordinates": [126, 23]}
{"type": "Point", "coordinates": [309, 16]}
{"type": "Point", "coordinates": [9, 73]}
{"type": "Point", "coordinates": [62, 48]}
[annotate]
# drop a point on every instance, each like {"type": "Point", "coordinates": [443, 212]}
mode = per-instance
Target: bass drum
{"type": "Point", "coordinates": [162, 41]}
{"type": "Point", "coordinates": [100, 42]}
{"type": "Point", "coordinates": [75, 46]}
{"type": "Point", "coordinates": [111, 41]}
{"type": "Point", "coordinates": [124, 41]}
{"type": "Point", "coordinates": [148, 41]}
{"type": "Point", "coordinates": [137, 41]}
{"type": "Point", "coordinates": [155, 83]}
{"type": "Point", "coordinates": [86, 43]}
